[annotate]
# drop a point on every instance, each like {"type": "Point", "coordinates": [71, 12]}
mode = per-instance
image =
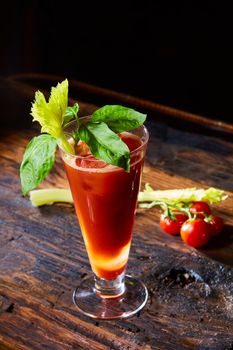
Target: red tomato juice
{"type": "Point", "coordinates": [105, 199]}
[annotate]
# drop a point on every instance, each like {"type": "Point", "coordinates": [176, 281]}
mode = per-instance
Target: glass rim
{"type": "Point", "coordinates": [76, 156]}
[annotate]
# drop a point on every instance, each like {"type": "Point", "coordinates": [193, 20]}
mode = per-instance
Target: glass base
{"type": "Point", "coordinates": [93, 304]}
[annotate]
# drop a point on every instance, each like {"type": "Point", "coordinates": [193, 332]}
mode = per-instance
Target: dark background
{"type": "Point", "coordinates": [177, 53]}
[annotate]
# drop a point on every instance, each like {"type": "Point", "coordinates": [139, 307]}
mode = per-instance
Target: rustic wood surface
{"type": "Point", "coordinates": [42, 254]}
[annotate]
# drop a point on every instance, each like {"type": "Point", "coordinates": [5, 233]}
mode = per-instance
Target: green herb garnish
{"type": "Point", "coordinates": [70, 114]}
{"type": "Point", "coordinates": [51, 115]}
{"type": "Point", "coordinates": [38, 159]}
{"type": "Point", "coordinates": [119, 118]}
{"type": "Point", "coordinates": [100, 134]}
{"type": "Point", "coordinates": [105, 144]}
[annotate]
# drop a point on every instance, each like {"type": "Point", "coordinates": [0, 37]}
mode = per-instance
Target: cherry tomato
{"type": "Point", "coordinates": [200, 207]}
{"type": "Point", "coordinates": [172, 227]}
{"type": "Point", "coordinates": [195, 233]}
{"type": "Point", "coordinates": [180, 216]}
{"type": "Point", "coordinates": [216, 225]}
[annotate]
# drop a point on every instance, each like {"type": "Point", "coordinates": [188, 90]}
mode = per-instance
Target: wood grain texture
{"type": "Point", "coordinates": [42, 256]}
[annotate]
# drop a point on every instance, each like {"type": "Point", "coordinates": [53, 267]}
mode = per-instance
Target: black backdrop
{"type": "Point", "coordinates": [178, 53]}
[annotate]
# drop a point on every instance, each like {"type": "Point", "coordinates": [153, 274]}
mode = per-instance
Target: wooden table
{"type": "Point", "coordinates": [42, 255]}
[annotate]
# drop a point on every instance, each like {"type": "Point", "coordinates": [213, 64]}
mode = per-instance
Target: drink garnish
{"type": "Point", "coordinates": [147, 198]}
{"type": "Point", "coordinates": [100, 134]}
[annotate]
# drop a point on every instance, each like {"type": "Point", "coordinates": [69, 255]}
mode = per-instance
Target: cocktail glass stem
{"type": "Point", "coordinates": [110, 288]}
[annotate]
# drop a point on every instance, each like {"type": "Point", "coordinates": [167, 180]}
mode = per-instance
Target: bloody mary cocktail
{"type": "Point", "coordinates": [105, 198]}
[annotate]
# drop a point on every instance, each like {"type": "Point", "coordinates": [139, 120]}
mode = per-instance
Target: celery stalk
{"type": "Point", "coordinates": [49, 196]}
{"type": "Point", "coordinates": [211, 195]}
{"type": "Point", "coordinates": [148, 196]}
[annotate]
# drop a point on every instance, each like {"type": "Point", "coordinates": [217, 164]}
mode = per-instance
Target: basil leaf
{"type": "Point", "coordinates": [37, 161]}
{"type": "Point", "coordinates": [119, 118]}
{"type": "Point", "coordinates": [71, 113]}
{"type": "Point", "coordinates": [75, 136]}
{"type": "Point", "coordinates": [105, 144]}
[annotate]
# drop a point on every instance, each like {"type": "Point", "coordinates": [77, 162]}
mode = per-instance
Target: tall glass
{"type": "Point", "coordinates": [105, 199]}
